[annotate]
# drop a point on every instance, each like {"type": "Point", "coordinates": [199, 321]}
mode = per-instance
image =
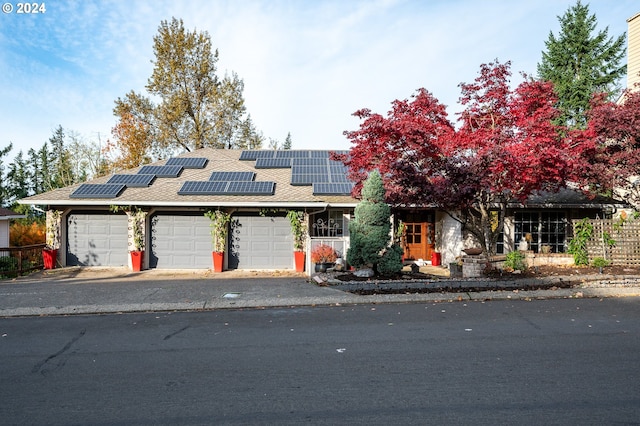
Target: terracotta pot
{"type": "Point", "coordinates": [218, 261]}
{"type": "Point", "coordinates": [136, 260]}
{"type": "Point", "coordinates": [298, 257]}
{"type": "Point", "coordinates": [49, 257]}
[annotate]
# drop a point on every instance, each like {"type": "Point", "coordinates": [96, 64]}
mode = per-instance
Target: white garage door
{"type": "Point", "coordinates": [258, 242]}
{"type": "Point", "coordinates": [96, 239]}
{"type": "Point", "coordinates": [180, 242]}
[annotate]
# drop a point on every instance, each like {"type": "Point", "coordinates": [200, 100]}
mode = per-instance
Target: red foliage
{"type": "Point", "coordinates": [614, 156]}
{"type": "Point", "coordinates": [505, 148]}
{"type": "Point", "coordinates": [506, 145]}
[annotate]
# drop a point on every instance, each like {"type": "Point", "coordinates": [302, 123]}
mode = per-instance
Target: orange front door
{"type": "Point", "coordinates": [419, 241]}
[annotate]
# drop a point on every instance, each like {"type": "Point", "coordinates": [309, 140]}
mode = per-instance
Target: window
{"type": "Point", "coordinates": [328, 224]}
{"type": "Point", "coordinates": [541, 229]}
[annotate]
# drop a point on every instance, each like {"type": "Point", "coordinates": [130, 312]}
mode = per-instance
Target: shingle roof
{"type": "Point", "coordinates": [163, 192]}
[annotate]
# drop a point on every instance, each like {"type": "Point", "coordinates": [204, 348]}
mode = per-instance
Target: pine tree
{"type": "Point", "coordinates": [4, 190]}
{"type": "Point", "coordinates": [370, 230]}
{"type": "Point", "coordinates": [287, 142]}
{"type": "Point", "coordinates": [581, 62]}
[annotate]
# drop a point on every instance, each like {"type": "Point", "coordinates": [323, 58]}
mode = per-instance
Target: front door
{"type": "Point", "coordinates": [419, 240]}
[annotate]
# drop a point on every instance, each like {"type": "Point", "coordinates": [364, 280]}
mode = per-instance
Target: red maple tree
{"type": "Point", "coordinates": [505, 148]}
{"type": "Point", "coordinates": [614, 155]}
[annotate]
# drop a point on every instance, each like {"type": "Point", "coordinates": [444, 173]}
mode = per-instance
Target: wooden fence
{"type": "Point", "coordinates": [624, 239]}
{"type": "Point", "coordinates": [15, 261]}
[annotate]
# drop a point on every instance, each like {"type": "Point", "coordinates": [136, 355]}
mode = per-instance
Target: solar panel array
{"type": "Point", "coordinates": [308, 168]}
{"type": "Point", "coordinates": [188, 163]}
{"type": "Point", "coordinates": [227, 188]}
{"type": "Point", "coordinates": [133, 181]}
{"type": "Point", "coordinates": [232, 176]}
{"type": "Point", "coordinates": [253, 155]}
{"type": "Point", "coordinates": [104, 190]}
{"type": "Point", "coordinates": [161, 171]}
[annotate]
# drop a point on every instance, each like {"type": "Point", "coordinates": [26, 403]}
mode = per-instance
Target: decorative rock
{"type": "Point", "coordinates": [364, 273]}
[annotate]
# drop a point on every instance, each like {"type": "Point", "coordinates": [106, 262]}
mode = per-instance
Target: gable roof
{"type": "Point", "coordinates": [159, 191]}
{"type": "Point", "coordinates": [6, 214]}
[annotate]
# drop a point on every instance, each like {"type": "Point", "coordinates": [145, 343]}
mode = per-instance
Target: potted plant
{"type": "Point", "coordinates": [296, 218]}
{"type": "Point", "coordinates": [136, 217]}
{"type": "Point", "coordinates": [50, 251]}
{"type": "Point", "coordinates": [219, 231]}
{"type": "Point", "coordinates": [323, 256]}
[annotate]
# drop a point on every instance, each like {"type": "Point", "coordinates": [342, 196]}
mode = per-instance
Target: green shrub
{"type": "Point", "coordinates": [391, 261]}
{"type": "Point", "coordinates": [515, 261]}
{"type": "Point", "coordinates": [8, 263]}
{"type": "Point", "coordinates": [599, 262]}
{"type": "Point", "coordinates": [578, 245]}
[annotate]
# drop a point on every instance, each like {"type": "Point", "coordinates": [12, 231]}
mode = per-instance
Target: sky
{"type": "Point", "coordinates": [307, 65]}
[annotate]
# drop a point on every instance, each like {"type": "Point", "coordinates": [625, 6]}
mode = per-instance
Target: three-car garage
{"type": "Point", "coordinates": [180, 241]}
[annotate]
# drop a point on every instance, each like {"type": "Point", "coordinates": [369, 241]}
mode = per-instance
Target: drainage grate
{"type": "Point", "coordinates": [231, 295]}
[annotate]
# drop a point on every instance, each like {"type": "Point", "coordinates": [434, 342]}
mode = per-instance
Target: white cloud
{"type": "Point", "coordinates": [307, 66]}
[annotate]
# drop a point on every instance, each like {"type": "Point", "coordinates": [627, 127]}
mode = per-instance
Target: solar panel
{"type": "Point", "coordinates": [287, 153]}
{"type": "Point", "coordinates": [188, 163]}
{"type": "Point", "coordinates": [332, 188]}
{"type": "Point", "coordinates": [232, 176]}
{"type": "Point", "coordinates": [273, 163]}
{"type": "Point", "coordinates": [104, 190]}
{"type": "Point", "coordinates": [161, 171]}
{"type": "Point", "coordinates": [251, 188]}
{"type": "Point", "coordinates": [255, 154]}
{"type": "Point", "coordinates": [133, 181]}
{"type": "Point", "coordinates": [309, 162]}
{"type": "Point", "coordinates": [202, 188]}
{"type": "Point", "coordinates": [339, 178]}
{"type": "Point", "coordinates": [309, 178]}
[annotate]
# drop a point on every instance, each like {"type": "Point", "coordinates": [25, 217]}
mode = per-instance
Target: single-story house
{"type": "Point", "coordinates": [258, 187]}
{"type": "Point", "coordinates": [5, 218]}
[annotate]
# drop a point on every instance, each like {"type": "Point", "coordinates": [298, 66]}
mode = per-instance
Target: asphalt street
{"type": "Point", "coordinates": [556, 362]}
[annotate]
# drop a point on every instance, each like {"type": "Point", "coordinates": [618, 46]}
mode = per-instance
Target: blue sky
{"type": "Point", "coordinates": [306, 65]}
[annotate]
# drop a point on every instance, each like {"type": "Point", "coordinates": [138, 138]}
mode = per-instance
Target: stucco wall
{"type": "Point", "coordinates": [448, 237]}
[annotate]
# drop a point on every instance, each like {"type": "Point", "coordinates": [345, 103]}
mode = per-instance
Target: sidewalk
{"type": "Point", "coordinates": [69, 291]}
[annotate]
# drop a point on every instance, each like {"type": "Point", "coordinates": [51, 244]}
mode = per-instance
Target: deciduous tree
{"type": "Point", "coordinates": [615, 157]}
{"type": "Point", "coordinates": [505, 149]}
{"type": "Point", "coordinates": [195, 109]}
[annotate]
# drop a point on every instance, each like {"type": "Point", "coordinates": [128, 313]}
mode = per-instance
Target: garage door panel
{"type": "Point", "coordinates": [180, 242]}
{"type": "Point", "coordinates": [260, 243]}
{"type": "Point", "coordinates": [96, 239]}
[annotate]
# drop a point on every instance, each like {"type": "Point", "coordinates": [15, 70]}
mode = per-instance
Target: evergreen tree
{"type": "Point", "coordinates": [18, 179]}
{"type": "Point", "coordinates": [581, 62]}
{"type": "Point", "coordinates": [61, 161]}
{"type": "Point", "coordinates": [370, 230]}
{"type": "Point", "coordinates": [4, 190]}
{"type": "Point", "coordinates": [287, 142]}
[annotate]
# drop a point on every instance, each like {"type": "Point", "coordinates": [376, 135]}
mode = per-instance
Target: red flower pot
{"type": "Point", "coordinates": [299, 260]}
{"type": "Point", "coordinates": [136, 260]}
{"type": "Point", "coordinates": [218, 261]}
{"type": "Point", "coordinates": [49, 257]}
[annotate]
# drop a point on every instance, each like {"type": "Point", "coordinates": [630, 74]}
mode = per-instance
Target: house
{"type": "Point", "coordinates": [5, 218]}
{"type": "Point", "coordinates": [258, 187]}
